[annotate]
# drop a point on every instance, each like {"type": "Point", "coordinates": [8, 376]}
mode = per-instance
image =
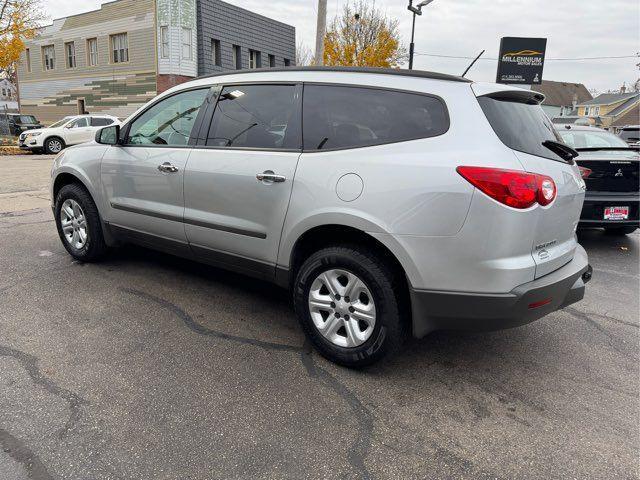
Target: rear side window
{"type": "Point", "coordinates": [100, 121]}
{"type": "Point", "coordinates": [338, 117]}
{"type": "Point", "coordinates": [521, 126]}
{"type": "Point", "coordinates": [256, 116]}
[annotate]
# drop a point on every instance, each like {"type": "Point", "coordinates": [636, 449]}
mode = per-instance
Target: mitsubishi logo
{"type": "Point", "coordinates": [619, 173]}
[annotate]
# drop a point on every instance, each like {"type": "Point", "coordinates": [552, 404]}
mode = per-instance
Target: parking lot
{"type": "Point", "coordinates": [147, 366]}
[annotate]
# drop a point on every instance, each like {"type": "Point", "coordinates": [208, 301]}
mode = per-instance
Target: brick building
{"type": "Point", "coordinates": [115, 59]}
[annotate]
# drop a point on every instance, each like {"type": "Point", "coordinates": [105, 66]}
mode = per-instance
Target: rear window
{"type": "Point", "coordinates": [338, 117]}
{"type": "Point", "coordinates": [630, 135]}
{"type": "Point", "coordinates": [521, 126]}
{"type": "Point", "coordinates": [591, 139]}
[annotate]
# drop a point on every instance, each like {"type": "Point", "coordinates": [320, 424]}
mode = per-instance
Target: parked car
{"type": "Point", "coordinates": [630, 134]}
{"type": "Point", "coordinates": [388, 202]}
{"type": "Point", "coordinates": [610, 169]}
{"type": "Point", "coordinates": [70, 130]}
{"type": "Point", "coordinates": [17, 123]}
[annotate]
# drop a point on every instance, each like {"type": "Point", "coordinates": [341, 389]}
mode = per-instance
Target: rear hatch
{"type": "Point", "coordinates": [519, 121]}
{"type": "Point", "coordinates": [610, 171]}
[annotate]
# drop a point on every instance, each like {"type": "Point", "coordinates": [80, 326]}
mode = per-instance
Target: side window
{"type": "Point", "coordinates": [349, 117]}
{"type": "Point", "coordinates": [256, 116]}
{"type": "Point", "coordinates": [168, 122]}
{"type": "Point", "coordinates": [100, 121]}
{"type": "Point", "coordinates": [80, 122]}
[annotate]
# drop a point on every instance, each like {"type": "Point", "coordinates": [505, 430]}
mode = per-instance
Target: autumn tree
{"type": "Point", "coordinates": [19, 20]}
{"type": "Point", "coordinates": [363, 36]}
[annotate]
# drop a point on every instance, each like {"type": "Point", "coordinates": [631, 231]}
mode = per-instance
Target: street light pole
{"type": "Point", "coordinates": [417, 10]}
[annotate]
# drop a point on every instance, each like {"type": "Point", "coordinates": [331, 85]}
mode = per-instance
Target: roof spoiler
{"type": "Point", "coordinates": [520, 96]}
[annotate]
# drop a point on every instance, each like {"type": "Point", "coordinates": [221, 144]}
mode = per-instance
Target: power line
{"type": "Point", "coordinates": [546, 59]}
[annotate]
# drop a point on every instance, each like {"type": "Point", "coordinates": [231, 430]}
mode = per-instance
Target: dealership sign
{"type": "Point", "coordinates": [521, 60]}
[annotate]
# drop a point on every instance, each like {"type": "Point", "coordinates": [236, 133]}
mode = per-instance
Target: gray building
{"type": "Point", "coordinates": [231, 37]}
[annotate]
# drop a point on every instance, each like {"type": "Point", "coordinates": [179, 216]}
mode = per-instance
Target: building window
{"type": "Point", "coordinates": [186, 43]}
{"type": "Point", "coordinates": [237, 57]}
{"type": "Point", "coordinates": [92, 51]}
{"type": "Point", "coordinates": [164, 42]}
{"type": "Point", "coordinates": [48, 57]}
{"type": "Point", "coordinates": [119, 48]}
{"type": "Point", "coordinates": [27, 56]}
{"type": "Point", "coordinates": [287, 62]}
{"type": "Point", "coordinates": [254, 59]}
{"type": "Point", "coordinates": [70, 54]}
{"type": "Point", "coordinates": [596, 111]}
{"type": "Point", "coordinates": [216, 54]}
{"type": "Point", "coordinates": [272, 61]}
{"type": "Point", "coordinates": [586, 111]}
{"type": "Point", "coordinates": [4, 92]}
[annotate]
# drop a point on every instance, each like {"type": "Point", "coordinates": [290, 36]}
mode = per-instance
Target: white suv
{"type": "Point", "coordinates": [69, 131]}
{"type": "Point", "coordinates": [389, 202]}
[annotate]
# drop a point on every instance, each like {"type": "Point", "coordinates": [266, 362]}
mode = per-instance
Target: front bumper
{"type": "Point", "coordinates": [439, 310]}
{"type": "Point", "coordinates": [593, 210]}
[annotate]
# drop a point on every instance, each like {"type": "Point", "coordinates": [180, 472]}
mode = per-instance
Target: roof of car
{"type": "Point", "coordinates": [580, 127]}
{"type": "Point", "coordinates": [370, 70]}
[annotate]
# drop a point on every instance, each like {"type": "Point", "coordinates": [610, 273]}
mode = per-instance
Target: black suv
{"type": "Point", "coordinates": [609, 168]}
{"type": "Point", "coordinates": [17, 123]}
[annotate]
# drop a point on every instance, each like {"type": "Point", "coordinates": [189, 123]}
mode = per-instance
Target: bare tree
{"type": "Point", "coordinates": [303, 55]}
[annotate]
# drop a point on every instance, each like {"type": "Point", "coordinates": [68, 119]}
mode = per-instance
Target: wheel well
{"type": "Point", "coordinates": [62, 180]}
{"type": "Point", "coordinates": [53, 136]}
{"type": "Point", "coordinates": [330, 235]}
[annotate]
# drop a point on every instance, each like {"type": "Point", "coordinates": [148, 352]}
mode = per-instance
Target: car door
{"type": "Point", "coordinates": [142, 179]}
{"type": "Point", "coordinates": [239, 178]}
{"type": "Point", "coordinates": [78, 131]}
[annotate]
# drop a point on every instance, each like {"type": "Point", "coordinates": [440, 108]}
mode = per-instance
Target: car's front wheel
{"type": "Point", "coordinates": [53, 145]}
{"type": "Point", "coordinates": [619, 230]}
{"type": "Point", "coordinates": [345, 301]}
{"type": "Point", "coordinates": [78, 223]}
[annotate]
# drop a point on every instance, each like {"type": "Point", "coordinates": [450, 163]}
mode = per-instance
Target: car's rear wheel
{"type": "Point", "coordinates": [78, 224]}
{"type": "Point", "coordinates": [619, 230]}
{"type": "Point", "coordinates": [53, 145]}
{"type": "Point", "coordinates": [345, 301]}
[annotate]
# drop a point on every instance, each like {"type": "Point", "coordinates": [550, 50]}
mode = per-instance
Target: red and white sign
{"type": "Point", "coordinates": [616, 213]}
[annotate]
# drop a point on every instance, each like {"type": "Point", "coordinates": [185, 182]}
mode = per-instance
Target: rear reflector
{"type": "Point", "coordinates": [511, 187]}
{"type": "Point", "coordinates": [585, 172]}
{"type": "Point", "coordinates": [541, 303]}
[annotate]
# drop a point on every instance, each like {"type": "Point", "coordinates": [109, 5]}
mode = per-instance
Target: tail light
{"type": "Point", "coordinates": [511, 187]}
{"type": "Point", "coordinates": [585, 172]}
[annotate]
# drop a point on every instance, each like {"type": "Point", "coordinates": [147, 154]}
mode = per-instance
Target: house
{"type": "Point", "coordinates": [115, 59]}
{"type": "Point", "coordinates": [607, 108]}
{"type": "Point", "coordinates": [561, 98]}
{"type": "Point", "coordinates": [8, 97]}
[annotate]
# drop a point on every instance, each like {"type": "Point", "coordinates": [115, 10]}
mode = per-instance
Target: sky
{"type": "Point", "coordinates": [462, 28]}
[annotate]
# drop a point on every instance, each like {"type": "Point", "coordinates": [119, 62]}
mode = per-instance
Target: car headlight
{"type": "Point", "coordinates": [33, 134]}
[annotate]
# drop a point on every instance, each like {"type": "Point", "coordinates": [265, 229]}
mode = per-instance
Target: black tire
{"type": "Point", "coordinates": [48, 145]}
{"type": "Point", "coordinates": [619, 230]}
{"type": "Point", "coordinates": [388, 332]}
{"type": "Point", "coordinates": [95, 247]}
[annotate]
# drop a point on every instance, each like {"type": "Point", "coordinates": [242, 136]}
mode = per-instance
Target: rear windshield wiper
{"type": "Point", "coordinates": [562, 150]}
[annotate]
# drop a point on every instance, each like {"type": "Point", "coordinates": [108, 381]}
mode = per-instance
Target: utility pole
{"type": "Point", "coordinates": [417, 10]}
{"type": "Point", "coordinates": [321, 29]}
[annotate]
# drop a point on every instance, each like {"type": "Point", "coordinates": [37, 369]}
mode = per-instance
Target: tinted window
{"type": "Point", "coordinates": [100, 121]}
{"type": "Point", "coordinates": [168, 122]}
{"type": "Point", "coordinates": [348, 117]}
{"type": "Point", "coordinates": [630, 134]}
{"type": "Point", "coordinates": [256, 116]}
{"type": "Point", "coordinates": [521, 126]}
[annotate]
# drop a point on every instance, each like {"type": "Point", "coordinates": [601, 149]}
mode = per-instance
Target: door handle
{"type": "Point", "coordinates": [269, 177]}
{"type": "Point", "coordinates": [166, 167]}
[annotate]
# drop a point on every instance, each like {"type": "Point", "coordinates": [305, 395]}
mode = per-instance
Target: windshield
{"type": "Point", "coordinates": [630, 134]}
{"type": "Point", "coordinates": [59, 123]}
{"type": "Point", "coordinates": [521, 126]}
{"type": "Point", "coordinates": [27, 119]}
{"type": "Point", "coordinates": [591, 139]}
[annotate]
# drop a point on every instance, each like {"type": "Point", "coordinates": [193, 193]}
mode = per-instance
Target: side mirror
{"type": "Point", "coordinates": [108, 135]}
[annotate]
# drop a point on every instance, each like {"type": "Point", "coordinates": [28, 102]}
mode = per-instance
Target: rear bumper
{"type": "Point", "coordinates": [438, 310]}
{"type": "Point", "coordinates": [594, 205]}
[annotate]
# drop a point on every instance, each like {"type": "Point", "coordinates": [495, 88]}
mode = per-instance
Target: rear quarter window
{"type": "Point", "coordinates": [520, 126]}
{"type": "Point", "coordinates": [339, 117]}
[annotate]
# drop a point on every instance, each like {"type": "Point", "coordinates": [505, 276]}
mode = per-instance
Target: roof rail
{"type": "Point", "coordinates": [382, 71]}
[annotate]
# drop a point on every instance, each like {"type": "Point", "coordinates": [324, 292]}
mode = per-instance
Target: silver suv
{"type": "Point", "coordinates": [389, 202]}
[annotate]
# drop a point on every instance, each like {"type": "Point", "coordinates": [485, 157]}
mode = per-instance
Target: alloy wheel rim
{"type": "Point", "coordinates": [342, 308]}
{"type": "Point", "coordinates": [74, 224]}
{"type": "Point", "coordinates": [55, 146]}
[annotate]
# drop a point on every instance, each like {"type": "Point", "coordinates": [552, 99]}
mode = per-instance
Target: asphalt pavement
{"type": "Point", "coordinates": [146, 366]}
